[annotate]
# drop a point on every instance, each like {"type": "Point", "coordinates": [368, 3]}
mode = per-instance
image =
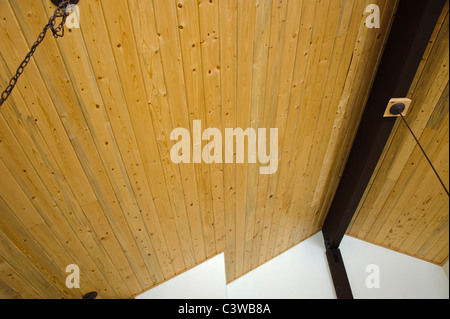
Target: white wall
{"type": "Point", "coordinates": [205, 281]}
{"type": "Point", "coordinates": [302, 273]}
{"type": "Point", "coordinates": [299, 273]}
{"type": "Point", "coordinates": [400, 276]}
{"type": "Point", "coordinates": [446, 268]}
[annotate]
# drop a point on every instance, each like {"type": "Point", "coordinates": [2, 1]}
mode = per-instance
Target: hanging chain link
{"type": "Point", "coordinates": [57, 31]}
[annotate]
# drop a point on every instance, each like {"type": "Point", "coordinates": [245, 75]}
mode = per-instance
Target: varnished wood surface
{"type": "Point", "coordinates": [405, 207]}
{"type": "Point", "coordinates": [87, 177]}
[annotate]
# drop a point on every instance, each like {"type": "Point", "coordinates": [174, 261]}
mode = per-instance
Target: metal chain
{"type": "Point", "coordinates": [57, 31]}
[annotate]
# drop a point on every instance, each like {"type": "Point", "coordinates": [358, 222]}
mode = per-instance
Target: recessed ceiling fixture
{"type": "Point", "coordinates": [57, 31]}
{"type": "Point", "coordinates": [398, 107]}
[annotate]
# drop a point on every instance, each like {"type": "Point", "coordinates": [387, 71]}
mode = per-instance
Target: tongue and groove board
{"type": "Point", "coordinates": [86, 172]}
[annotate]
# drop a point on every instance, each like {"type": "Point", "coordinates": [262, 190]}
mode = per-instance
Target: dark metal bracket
{"type": "Point", "coordinates": [338, 273]}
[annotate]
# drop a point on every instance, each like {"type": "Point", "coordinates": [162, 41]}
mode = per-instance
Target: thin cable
{"type": "Point", "coordinates": [425, 154]}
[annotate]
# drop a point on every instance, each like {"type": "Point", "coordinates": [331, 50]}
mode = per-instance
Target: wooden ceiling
{"type": "Point", "coordinates": [405, 207]}
{"type": "Point", "coordinates": [87, 176]}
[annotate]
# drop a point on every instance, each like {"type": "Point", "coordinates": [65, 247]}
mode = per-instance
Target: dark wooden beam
{"type": "Point", "coordinates": [411, 30]}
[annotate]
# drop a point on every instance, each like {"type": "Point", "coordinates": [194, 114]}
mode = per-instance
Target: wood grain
{"type": "Point", "coordinates": [405, 207]}
{"type": "Point", "coordinates": [87, 176]}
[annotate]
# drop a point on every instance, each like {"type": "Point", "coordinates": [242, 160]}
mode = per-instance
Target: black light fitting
{"type": "Point", "coordinates": [397, 108]}
{"type": "Point", "coordinates": [64, 3]}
